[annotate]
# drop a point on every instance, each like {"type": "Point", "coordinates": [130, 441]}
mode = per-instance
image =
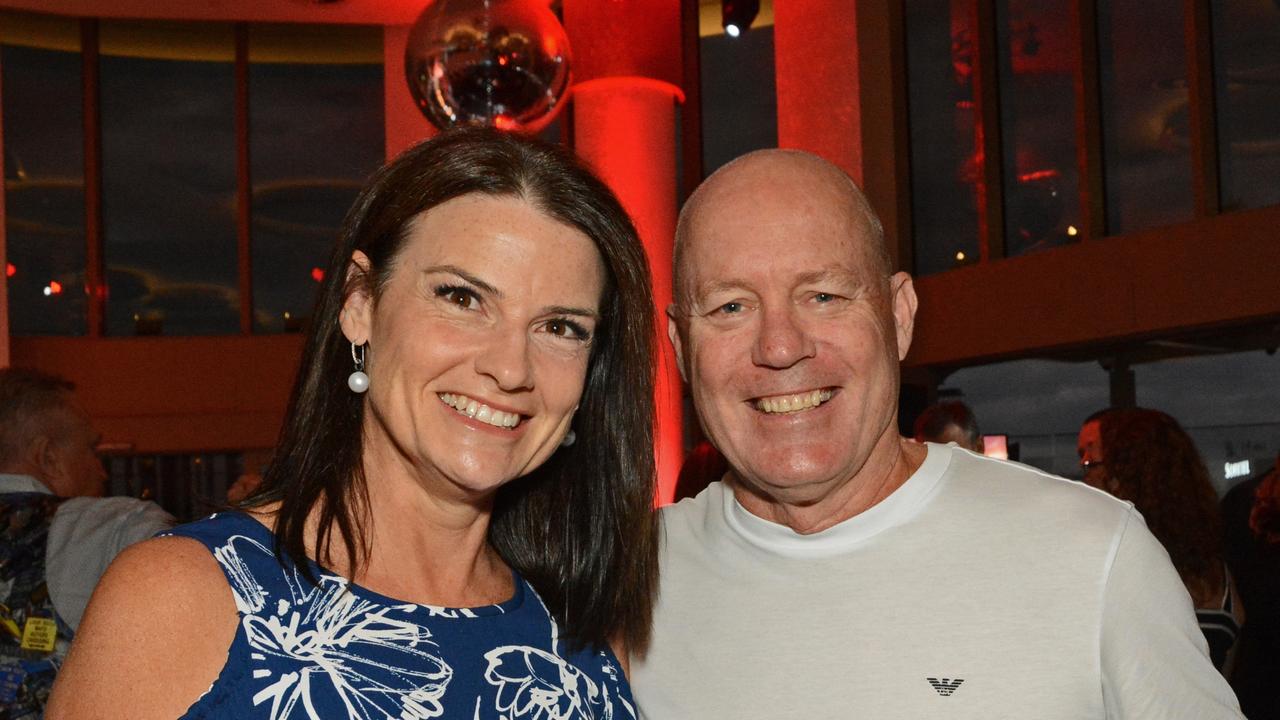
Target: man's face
{"type": "Point", "coordinates": [75, 470]}
{"type": "Point", "coordinates": [1089, 448]}
{"type": "Point", "coordinates": [790, 332]}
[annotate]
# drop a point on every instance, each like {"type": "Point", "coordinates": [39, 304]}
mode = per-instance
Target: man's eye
{"type": "Point", "coordinates": [462, 297]}
{"type": "Point", "coordinates": [824, 297]}
{"type": "Point", "coordinates": [730, 308]}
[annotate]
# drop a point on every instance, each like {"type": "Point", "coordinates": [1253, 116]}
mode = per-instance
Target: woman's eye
{"type": "Point", "coordinates": [462, 297]}
{"type": "Point", "coordinates": [567, 329]}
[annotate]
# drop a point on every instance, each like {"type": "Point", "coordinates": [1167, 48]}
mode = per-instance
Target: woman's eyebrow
{"type": "Point", "coordinates": [455, 270]}
{"type": "Point", "coordinates": [567, 310]}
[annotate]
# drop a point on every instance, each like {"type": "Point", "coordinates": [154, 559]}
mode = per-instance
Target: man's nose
{"type": "Point", "coordinates": [783, 339]}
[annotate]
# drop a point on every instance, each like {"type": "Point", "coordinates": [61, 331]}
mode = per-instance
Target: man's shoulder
{"type": "Point", "coordinates": [695, 521]}
{"type": "Point", "coordinates": [710, 499]}
{"type": "Point", "coordinates": [115, 508]}
{"type": "Point", "coordinates": [110, 523]}
{"type": "Point", "coordinates": [1008, 487]}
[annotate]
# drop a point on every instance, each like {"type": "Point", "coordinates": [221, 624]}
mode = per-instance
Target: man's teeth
{"type": "Point", "coordinates": [793, 403]}
{"type": "Point", "coordinates": [480, 411]}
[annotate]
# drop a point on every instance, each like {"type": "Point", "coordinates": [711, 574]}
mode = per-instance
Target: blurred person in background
{"type": "Point", "coordinates": [1144, 456]}
{"type": "Point", "coordinates": [57, 534]}
{"type": "Point", "coordinates": [950, 421]}
{"type": "Point", "coordinates": [1251, 527]}
{"type": "Point", "coordinates": [702, 466]}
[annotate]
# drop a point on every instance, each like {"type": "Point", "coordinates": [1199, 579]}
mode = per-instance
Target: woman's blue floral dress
{"type": "Point", "coordinates": [336, 650]}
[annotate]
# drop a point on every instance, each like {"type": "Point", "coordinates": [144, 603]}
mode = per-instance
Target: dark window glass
{"type": "Point", "coordinates": [1246, 41]}
{"type": "Point", "coordinates": [739, 97]}
{"type": "Point", "coordinates": [1143, 68]}
{"type": "Point", "coordinates": [169, 178]}
{"type": "Point", "coordinates": [187, 486]}
{"type": "Point", "coordinates": [1227, 403]}
{"type": "Point", "coordinates": [1037, 117]}
{"type": "Point", "coordinates": [43, 177]}
{"type": "Point", "coordinates": [945, 164]}
{"type": "Point", "coordinates": [316, 133]}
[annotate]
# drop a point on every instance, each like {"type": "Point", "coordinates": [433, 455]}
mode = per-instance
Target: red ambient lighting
{"type": "Point", "coordinates": [10, 270]}
{"type": "Point", "coordinates": [55, 287]}
{"type": "Point", "coordinates": [1038, 175]}
{"type": "Point", "coordinates": [317, 274]}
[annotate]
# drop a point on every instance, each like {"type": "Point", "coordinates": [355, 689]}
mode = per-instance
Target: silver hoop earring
{"type": "Point", "coordinates": [569, 438]}
{"type": "Point", "coordinates": [358, 381]}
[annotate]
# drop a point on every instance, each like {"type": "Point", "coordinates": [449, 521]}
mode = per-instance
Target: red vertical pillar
{"type": "Point", "coordinates": [627, 71]}
{"type": "Point", "coordinates": [815, 45]}
{"type": "Point", "coordinates": [4, 262]}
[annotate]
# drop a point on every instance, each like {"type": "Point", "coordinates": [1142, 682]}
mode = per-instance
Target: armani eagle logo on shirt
{"type": "Point", "coordinates": [945, 686]}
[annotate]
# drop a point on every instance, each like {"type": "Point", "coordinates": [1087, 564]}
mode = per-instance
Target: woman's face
{"type": "Point", "coordinates": [478, 344]}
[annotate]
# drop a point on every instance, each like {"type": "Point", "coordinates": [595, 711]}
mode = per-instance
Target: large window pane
{"type": "Point", "coordinates": [1143, 68]}
{"type": "Point", "coordinates": [43, 174]}
{"type": "Point", "coordinates": [1037, 113]}
{"type": "Point", "coordinates": [1246, 40]}
{"type": "Point", "coordinates": [169, 178]}
{"type": "Point", "coordinates": [945, 164]}
{"type": "Point", "coordinates": [316, 133]}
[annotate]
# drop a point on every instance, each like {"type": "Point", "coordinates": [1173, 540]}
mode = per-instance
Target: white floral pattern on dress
{"type": "Point", "coordinates": [312, 648]}
{"type": "Point", "coordinates": [319, 631]}
{"type": "Point", "coordinates": [536, 685]}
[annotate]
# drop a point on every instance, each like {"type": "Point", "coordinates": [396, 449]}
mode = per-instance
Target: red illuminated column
{"type": "Point", "coordinates": [815, 45]}
{"type": "Point", "coordinates": [627, 68]}
{"type": "Point", "coordinates": [4, 263]}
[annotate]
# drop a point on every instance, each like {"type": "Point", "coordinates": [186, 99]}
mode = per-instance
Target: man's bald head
{"type": "Point", "coordinates": [781, 182]}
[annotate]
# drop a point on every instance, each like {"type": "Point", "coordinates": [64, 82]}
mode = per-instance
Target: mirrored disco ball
{"type": "Point", "coordinates": [503, 63]}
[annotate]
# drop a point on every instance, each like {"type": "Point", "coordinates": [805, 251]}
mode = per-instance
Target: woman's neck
{"type": "Point", "coordinates": [430, 549]}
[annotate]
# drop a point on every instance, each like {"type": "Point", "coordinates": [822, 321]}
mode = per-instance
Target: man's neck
{"type": "Point", "coordinates": [884, 472]}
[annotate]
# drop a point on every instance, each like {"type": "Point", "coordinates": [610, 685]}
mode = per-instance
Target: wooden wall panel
{"type": "Point", "coordinates": [175, 394]}
{"type": "Point", "coordinates": [1213, 272]}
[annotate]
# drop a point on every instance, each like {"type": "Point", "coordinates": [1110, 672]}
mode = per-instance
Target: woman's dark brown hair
{"type": "Point", "coordinates": [580, 528]}
{"type": "Point", "coordinates": [1152, 462]}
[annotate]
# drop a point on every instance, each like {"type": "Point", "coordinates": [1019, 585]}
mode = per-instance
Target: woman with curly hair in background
{"type": "Point", "coordinates": [1146, 457]}
{"type": "Point", "coordinates": [1251, 524]}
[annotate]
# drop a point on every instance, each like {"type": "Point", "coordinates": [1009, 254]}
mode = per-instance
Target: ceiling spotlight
{"type": "Point", "coordinates": [737, 15]}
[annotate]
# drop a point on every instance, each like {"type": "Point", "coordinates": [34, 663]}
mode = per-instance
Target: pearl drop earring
{"type": "Point", "coordinates": [358, 381]}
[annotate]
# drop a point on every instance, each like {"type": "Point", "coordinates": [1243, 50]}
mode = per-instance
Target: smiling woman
{"type": "Point", "coordinates": [438, 545]}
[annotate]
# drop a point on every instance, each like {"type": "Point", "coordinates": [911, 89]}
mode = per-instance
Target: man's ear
{"type": "Point", "coordinates": [673, 334]}
{"type": "Point", "coordinates": [43, 457]}
{"type": "Point", "coordinates": [904, 311]}
{"type": "Point", "coordinates": [356, 318]}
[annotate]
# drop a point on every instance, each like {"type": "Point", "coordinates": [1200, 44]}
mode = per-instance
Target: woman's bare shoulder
{"type": "Point", "coordinates": [154, 638]}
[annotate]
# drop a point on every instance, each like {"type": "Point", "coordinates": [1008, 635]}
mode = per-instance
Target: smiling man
{"type": "Point", "coordinates": [841, 570]}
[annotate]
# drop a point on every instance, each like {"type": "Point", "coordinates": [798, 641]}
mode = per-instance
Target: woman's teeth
{"type": "Point", "coordinates": [793, 403]}
{"type": "Point", "coordinates": [480, 411]}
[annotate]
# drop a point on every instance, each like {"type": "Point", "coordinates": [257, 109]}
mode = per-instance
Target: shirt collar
{"type": "Point", "coordinates": [10, 483]}
{"type": "Point", "coordinates": [901, 505]}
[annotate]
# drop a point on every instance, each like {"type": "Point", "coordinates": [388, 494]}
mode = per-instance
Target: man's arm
{"type": "Point", "coordinates": [85, 536]}
{"type": "Point", "coordinates": [1155, 662]}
